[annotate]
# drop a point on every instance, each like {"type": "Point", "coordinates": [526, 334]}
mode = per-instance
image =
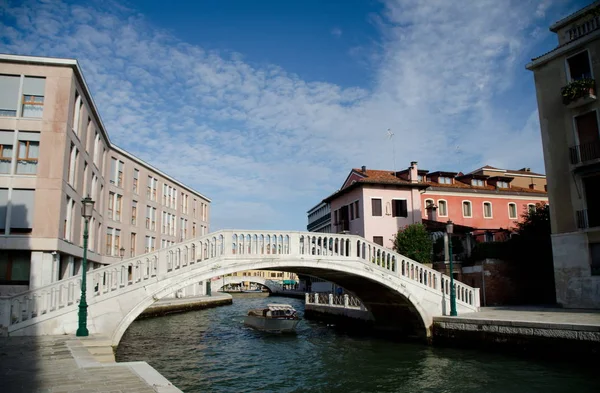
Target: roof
{"type": "Point", "coordinates": [486, 188]}
{"type": "Point", "coordinates": [443, 173]}
{"type": "Point", "coordinates": [511, 171]}
{"type": "Point", "coordinates": [374, 176]}
{"type": "Point", "coordinates": [74, 64]}
{"type": "Point", "coordinates": [570, 18]}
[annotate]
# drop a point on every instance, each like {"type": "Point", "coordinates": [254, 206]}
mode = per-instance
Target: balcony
{"type": "Point", "coordinates": [585, 152]}
{"type": "Point", "coordinates": [579, 92]}
{"type": "Point", "coordinates": [586, 220]}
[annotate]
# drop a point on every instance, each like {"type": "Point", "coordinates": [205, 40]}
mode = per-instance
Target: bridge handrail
{"type": "Point", "coordinates": [158, 264]}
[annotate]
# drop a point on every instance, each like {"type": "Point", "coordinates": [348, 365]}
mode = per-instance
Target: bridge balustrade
{"type": "Point", "coordinates": [157, 265]}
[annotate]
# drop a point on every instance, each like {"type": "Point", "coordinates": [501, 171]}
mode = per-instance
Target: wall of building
{"type": "Point", "coordinates": [385, 225]}
{"type": "Point", "coordinates": [74, 159]}
{"type": "Point", "coordinates": [500, 208]}
{"type": "Point", "coordinates": [356, 225]}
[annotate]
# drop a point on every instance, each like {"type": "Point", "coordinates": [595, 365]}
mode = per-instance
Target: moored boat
{"type": "Point", "coordinates": [273, 318]}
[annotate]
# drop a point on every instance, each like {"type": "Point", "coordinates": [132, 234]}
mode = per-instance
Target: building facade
{"type": "Point", "coordinates": [569, 119]}
{"type": "Point", "coordinates": [54, 151]}
{"type": "Point", "coordinates": [319, 218]}
{"type": "Point", "coordinates": [376, 203]}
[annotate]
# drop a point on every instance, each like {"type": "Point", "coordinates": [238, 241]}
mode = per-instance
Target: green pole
{"type": "Point", "coordinates": [82, 330]}
{"type": "Point", "coordinates": [452, 290]}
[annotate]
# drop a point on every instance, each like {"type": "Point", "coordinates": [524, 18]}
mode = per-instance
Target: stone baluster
{"type": "Point", "coordinates": [346, 300]}
{"type": "Point", "coordinates": [331, 299]}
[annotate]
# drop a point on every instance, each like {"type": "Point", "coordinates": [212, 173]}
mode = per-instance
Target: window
{"type": "Point", "coordinates": [194, 229]}
{"type": "Point", "coordinates": [352, 211]}
{"type": "Point", "coordinates": [117, 250]}
{"type": "Point", "coordinates": [356, 210]}
{"type": "Point", "coordinates": [579, 66]}
{"type": "Point", "coordinates": [530, 208]}
{"type": "Point", "coordinates": [9, 95]}
{"type": "Point", "coordinates": [467, 209]}
{"type": "Point", "coordinates": [512, 210]}
{"type": "Point", "coordinates": [442, 208]}
{"type": "Point", "coordinates": [118, 207]}
{"type": "Point", "coordinates": [6, 151]}
{"type": "Point", "coordinates": [136, 175]}
{"type": "Point", "coordinates": [72, 165]}
{"type": "Point", "coordinates": [111, 204]}
{"type": "Point", "coordinates": [67, 229]}
{"type": "Point", "coordinates": [116, 172]}
{"type": "Point", "coordinates": [154, 219]}
{"type": "Point", "coordinates": [488, 237]}
{"type": "Point", "coordinates": [376, 207]}
{"type": "Point", "coordinates": [132, 244]}
{"type": "Point", "coordinates": [420, 178]}
{"type": "Point", "coordinates": [477, 182]}
{"type": "Point", "coordinates": [134, 213]}
{"type": "Point", "coordinates": [149, 189]}
{"type": "Point", "coordinates": [109, 241]}
{"type": "Point", "coordinates": [94, 186]}
{"type": "Point", "coordinates": [96, 148]}
{"type": "Point", "coordinates": [148, 215]}
{"type": "Point", "coordinates": [28, 153]}
{"type": "Point", "coordinates": [76, 113]}
{"type": "Point", "coordinates": [444, 180]}
{"type": "Point", "coordinates": [502, 184]}
{"type": "Point", "coordinates": [378, 240]}
{"type": "Point", "coordinates": [399, 208]}
{"type": "Point", "coordinates": [21, 211]}
{"type": "Point", "coordinates": [147, 245]}
{"type": "Point", "coordinates": [194, 208]}
{"type": "Point", "coordinates": [14, 267]}
{"type": "Point", "coordinates": [33, 97]}
{"type": "Point", "coordinates": [487, 209]}
{"type": "Point", "coordinates": [120, 166]}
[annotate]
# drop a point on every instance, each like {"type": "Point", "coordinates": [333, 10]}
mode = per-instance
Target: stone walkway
{"type": "Point", "coordinates": [558, 316]}
{"type": "Point", "coordinates": [66, 364]}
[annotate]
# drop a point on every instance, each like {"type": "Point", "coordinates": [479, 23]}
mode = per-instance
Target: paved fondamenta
{"type": "Point", "coordinates": [66, 364]}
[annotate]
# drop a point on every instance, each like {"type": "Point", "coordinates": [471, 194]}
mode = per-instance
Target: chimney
{"type": "Point", "coordinates": [413, 173]}
{"type": "Point", "coordinates": [363, 169]}
{"type": "Point", "coordinates": [525, 170]}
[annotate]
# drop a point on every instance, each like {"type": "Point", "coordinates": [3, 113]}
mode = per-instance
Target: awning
{"type": "Point", "coordinates": [289, 282]}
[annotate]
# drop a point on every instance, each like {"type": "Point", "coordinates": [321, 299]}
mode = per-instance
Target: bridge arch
{"type": "Point", "coordinates": [317, 269]}
{"type": "Point", "coordinates": [272, 285]}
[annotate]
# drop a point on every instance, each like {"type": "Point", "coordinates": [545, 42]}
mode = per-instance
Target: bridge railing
{"type": "Point", "coordinates": [112, 279]}
{"type": "Point", "coordinates": [331, 300]}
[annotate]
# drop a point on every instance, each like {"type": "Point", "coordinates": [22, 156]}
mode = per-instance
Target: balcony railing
{"type": "Point", "coordinates": [586, 220]}
{"type": "Point", "coordinates": [582, 219]}
{"type": "Point", "coordinates": [585, 152]}
{"type": "Point", "coordinates": [584, 28]}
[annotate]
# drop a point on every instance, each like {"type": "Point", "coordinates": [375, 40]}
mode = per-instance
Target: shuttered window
{"type": "Point", "coordinates": [399, 208]}
{"type": "Point", "coordinates": [376, 207]}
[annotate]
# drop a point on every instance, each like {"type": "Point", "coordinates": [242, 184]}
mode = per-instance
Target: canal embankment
{"type": "Point", "coordinates": [73, 364]}
{"type": "Point", "coordinates": [536, 330]}
{"type": "Point", "coordinates": [178, 305]}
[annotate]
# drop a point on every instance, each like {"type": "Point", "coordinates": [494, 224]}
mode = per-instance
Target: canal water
{"type": "Point", "coordinates": [212, 351]}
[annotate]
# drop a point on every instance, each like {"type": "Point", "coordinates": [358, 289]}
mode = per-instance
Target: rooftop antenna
{"type": "Point", "coordinates": [390, 135]}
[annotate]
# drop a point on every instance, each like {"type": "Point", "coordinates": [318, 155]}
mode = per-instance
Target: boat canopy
{"type": "Point", "coordinates": [276, 307]}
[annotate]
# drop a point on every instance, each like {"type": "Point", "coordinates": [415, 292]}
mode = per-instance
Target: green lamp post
{"type": "Point", "coordinates": [449, 231]}
{"type": "Point", "coordinates": [87, 207]}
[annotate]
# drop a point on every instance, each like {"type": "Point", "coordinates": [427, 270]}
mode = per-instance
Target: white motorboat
{"type": "Point", "coordinates": [273, 318]}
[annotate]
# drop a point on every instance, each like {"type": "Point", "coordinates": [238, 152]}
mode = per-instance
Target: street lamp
{"type": "Point", "coordinates": [449, 230]}
{"type": "Point", "coordinates": [122, 252]}
{"type": "Point", "coordinates": [87, 207]}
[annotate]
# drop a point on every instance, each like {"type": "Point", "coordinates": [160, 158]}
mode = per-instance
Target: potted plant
{"type": "Point", "coordinates": [577, 89]}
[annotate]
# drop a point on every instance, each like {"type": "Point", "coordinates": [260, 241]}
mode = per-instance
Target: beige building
{"type": "Point", "coordinates": [568, 110]}
{"type": "Point", "coordinates": [54, 150]}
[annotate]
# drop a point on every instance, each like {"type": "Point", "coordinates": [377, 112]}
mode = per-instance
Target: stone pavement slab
{"type": "Point", "coordinates": [66, 364]}
{"type": "Point", "coordinates": [544, 315]}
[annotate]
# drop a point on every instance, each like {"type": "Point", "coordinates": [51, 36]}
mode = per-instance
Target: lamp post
{"type": "Point", "coordinates": [87, 207]}
{"type": "Point", "coordinates": [449, 230]}
{"type": "Point", "coordinates": [122, 252]}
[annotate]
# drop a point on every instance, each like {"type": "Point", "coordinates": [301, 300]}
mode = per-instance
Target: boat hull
{"type": "Point", "coordinates": [271, 324]}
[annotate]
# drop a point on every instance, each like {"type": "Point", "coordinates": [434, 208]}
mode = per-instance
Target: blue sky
{"type": "Point", "coordinates": [264, 106]}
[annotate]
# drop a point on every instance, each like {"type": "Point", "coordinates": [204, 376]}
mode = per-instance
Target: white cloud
{"type": "Point", "coordinates": [336, 32]}
{"type": "Point", "coordinates": [266, 145]}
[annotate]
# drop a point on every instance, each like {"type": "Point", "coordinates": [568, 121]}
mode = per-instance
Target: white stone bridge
{"type": "Point", "coordinates": [399, 292]}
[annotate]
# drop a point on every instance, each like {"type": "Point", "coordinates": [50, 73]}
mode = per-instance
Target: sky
{"type": "Point", "coordinates": [265, 106]}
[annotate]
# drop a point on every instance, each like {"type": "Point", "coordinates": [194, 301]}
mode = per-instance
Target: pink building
{"type": "Point", "coordinates": [375, 203]}
{"type": "Point", "coordinates": [488, 201]}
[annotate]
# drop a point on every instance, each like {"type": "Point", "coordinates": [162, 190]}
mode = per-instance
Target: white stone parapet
{"type": "Point", "coordinates": [119, 292]}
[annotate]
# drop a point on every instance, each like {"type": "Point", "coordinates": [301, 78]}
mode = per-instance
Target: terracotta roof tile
{"type": "Point", "coordinates": [460, 185]}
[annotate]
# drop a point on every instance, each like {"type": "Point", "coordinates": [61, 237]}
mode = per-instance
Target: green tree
{"type": "Point", "coordinates": [414, 242]}
{"type": "Point", "coordinates": [531, 251]}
